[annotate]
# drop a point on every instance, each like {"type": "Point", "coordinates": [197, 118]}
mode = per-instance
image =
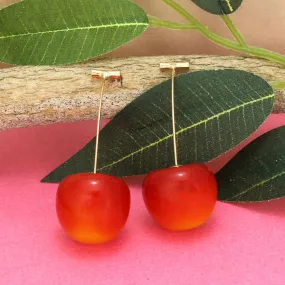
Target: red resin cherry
{"type": "Point", "coordinates": [92, 208]}
{"type": "Point", "coordinates": [180, 198]}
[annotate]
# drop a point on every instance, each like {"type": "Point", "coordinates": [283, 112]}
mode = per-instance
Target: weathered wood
{"type": "Point", "coordinates": [45, 94]}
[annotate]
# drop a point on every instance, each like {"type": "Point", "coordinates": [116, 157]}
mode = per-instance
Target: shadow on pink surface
{"type": "Point", "coordinates": [74, 249]}
{"type": "Point", "coordinates": [165, 236]}
{"type": "Point", "coordinates": [274, 208]}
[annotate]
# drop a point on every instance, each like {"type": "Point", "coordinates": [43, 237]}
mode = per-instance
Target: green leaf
{"type": "Point", "coordinates": [219, 7]}
{"type": "Point", "coordinates": [215, 110]}
{"type": "Point", "coordinates": [256, 173]}
{"type": "Point", "coordinates": [54, 32]}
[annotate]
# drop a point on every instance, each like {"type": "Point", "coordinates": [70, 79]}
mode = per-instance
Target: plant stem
{"type": "Point", "coordinates": [155, 22]}
{"type": "Point", "coordinates": [277, 85]}
{"type": "Point", "coordinates": [227, 20]}
{"type": "Point", "coordinates": [182, 12]}
{"type": "Point", "coordinates": [226, 43]}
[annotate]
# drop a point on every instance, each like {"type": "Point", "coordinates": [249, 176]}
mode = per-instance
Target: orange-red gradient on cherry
{"type": "Point", "coordinates": [180, 198]}
{"type": "Point", "coordinates": [92, 208]}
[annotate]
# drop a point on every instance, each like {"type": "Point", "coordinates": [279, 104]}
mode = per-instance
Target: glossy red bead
{"type": "Point", "coordinates": [92, 208]}
{"type": "Point", "coordinates": [180, 198]}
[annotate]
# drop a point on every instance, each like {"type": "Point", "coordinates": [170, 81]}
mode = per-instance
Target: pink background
{"type": "Point", "coordinates": [241, 244]}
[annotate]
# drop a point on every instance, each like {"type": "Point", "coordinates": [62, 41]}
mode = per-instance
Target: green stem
{"type": "Point", "coordinates": [155, 22]}
{"type": "Point", "coordinates": [251, 50]}
{"type": "Point", "coordinates": [277, 85]}
{"type": "Point", "coordinates": [175, 6]}
{"type": "Point", "coordinates": [227, 20]}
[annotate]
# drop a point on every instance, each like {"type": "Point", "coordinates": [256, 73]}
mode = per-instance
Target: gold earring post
{"type": "Point", "coordinates": [173, 68]}
{"type": "Point", "coordinates": [103, 76]}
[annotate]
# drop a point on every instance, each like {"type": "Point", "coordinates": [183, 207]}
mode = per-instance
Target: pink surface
{"type": "Point", "coordinates": [241, 244]}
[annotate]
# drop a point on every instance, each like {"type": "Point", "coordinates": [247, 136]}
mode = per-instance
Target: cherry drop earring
{"type": "Point", "coordinates": [92, 208]}
{"type": "Point", "coordinates": [180, 197]}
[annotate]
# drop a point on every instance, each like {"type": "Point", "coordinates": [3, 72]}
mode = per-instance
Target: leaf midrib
{"type": "Point", "coordinates": [188, 128]}
{"type": "Point", "coordinates": [255, 185]}
{"type": "Point", "coordinates": [229, 5]}
{"type": "Point", "coordinates": [77, 28]}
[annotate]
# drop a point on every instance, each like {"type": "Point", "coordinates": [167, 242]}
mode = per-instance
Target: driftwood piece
{"type": "Point", "coordinates": [46, 94]}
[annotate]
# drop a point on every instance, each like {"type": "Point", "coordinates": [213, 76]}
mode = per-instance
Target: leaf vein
{"type": "Point", "coordinates": [77, 28]}
{"type": "Point", "coordinates": [256, 185]}
{"type": "Point", "coordinates": [216, 116]}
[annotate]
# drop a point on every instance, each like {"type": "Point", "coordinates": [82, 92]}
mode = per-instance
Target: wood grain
{"type": "Point", "coordinates": [44, 95]}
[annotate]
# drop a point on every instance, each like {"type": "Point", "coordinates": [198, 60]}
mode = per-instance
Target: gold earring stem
{"type": "Point", "coordinates": [173, 117]}
{"type": "Point", "coordinates": [98, 124]}
{"type": "Point", "coordinates": [115, 75]}
{"type": "Point", "coordinates": [173, 67]}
